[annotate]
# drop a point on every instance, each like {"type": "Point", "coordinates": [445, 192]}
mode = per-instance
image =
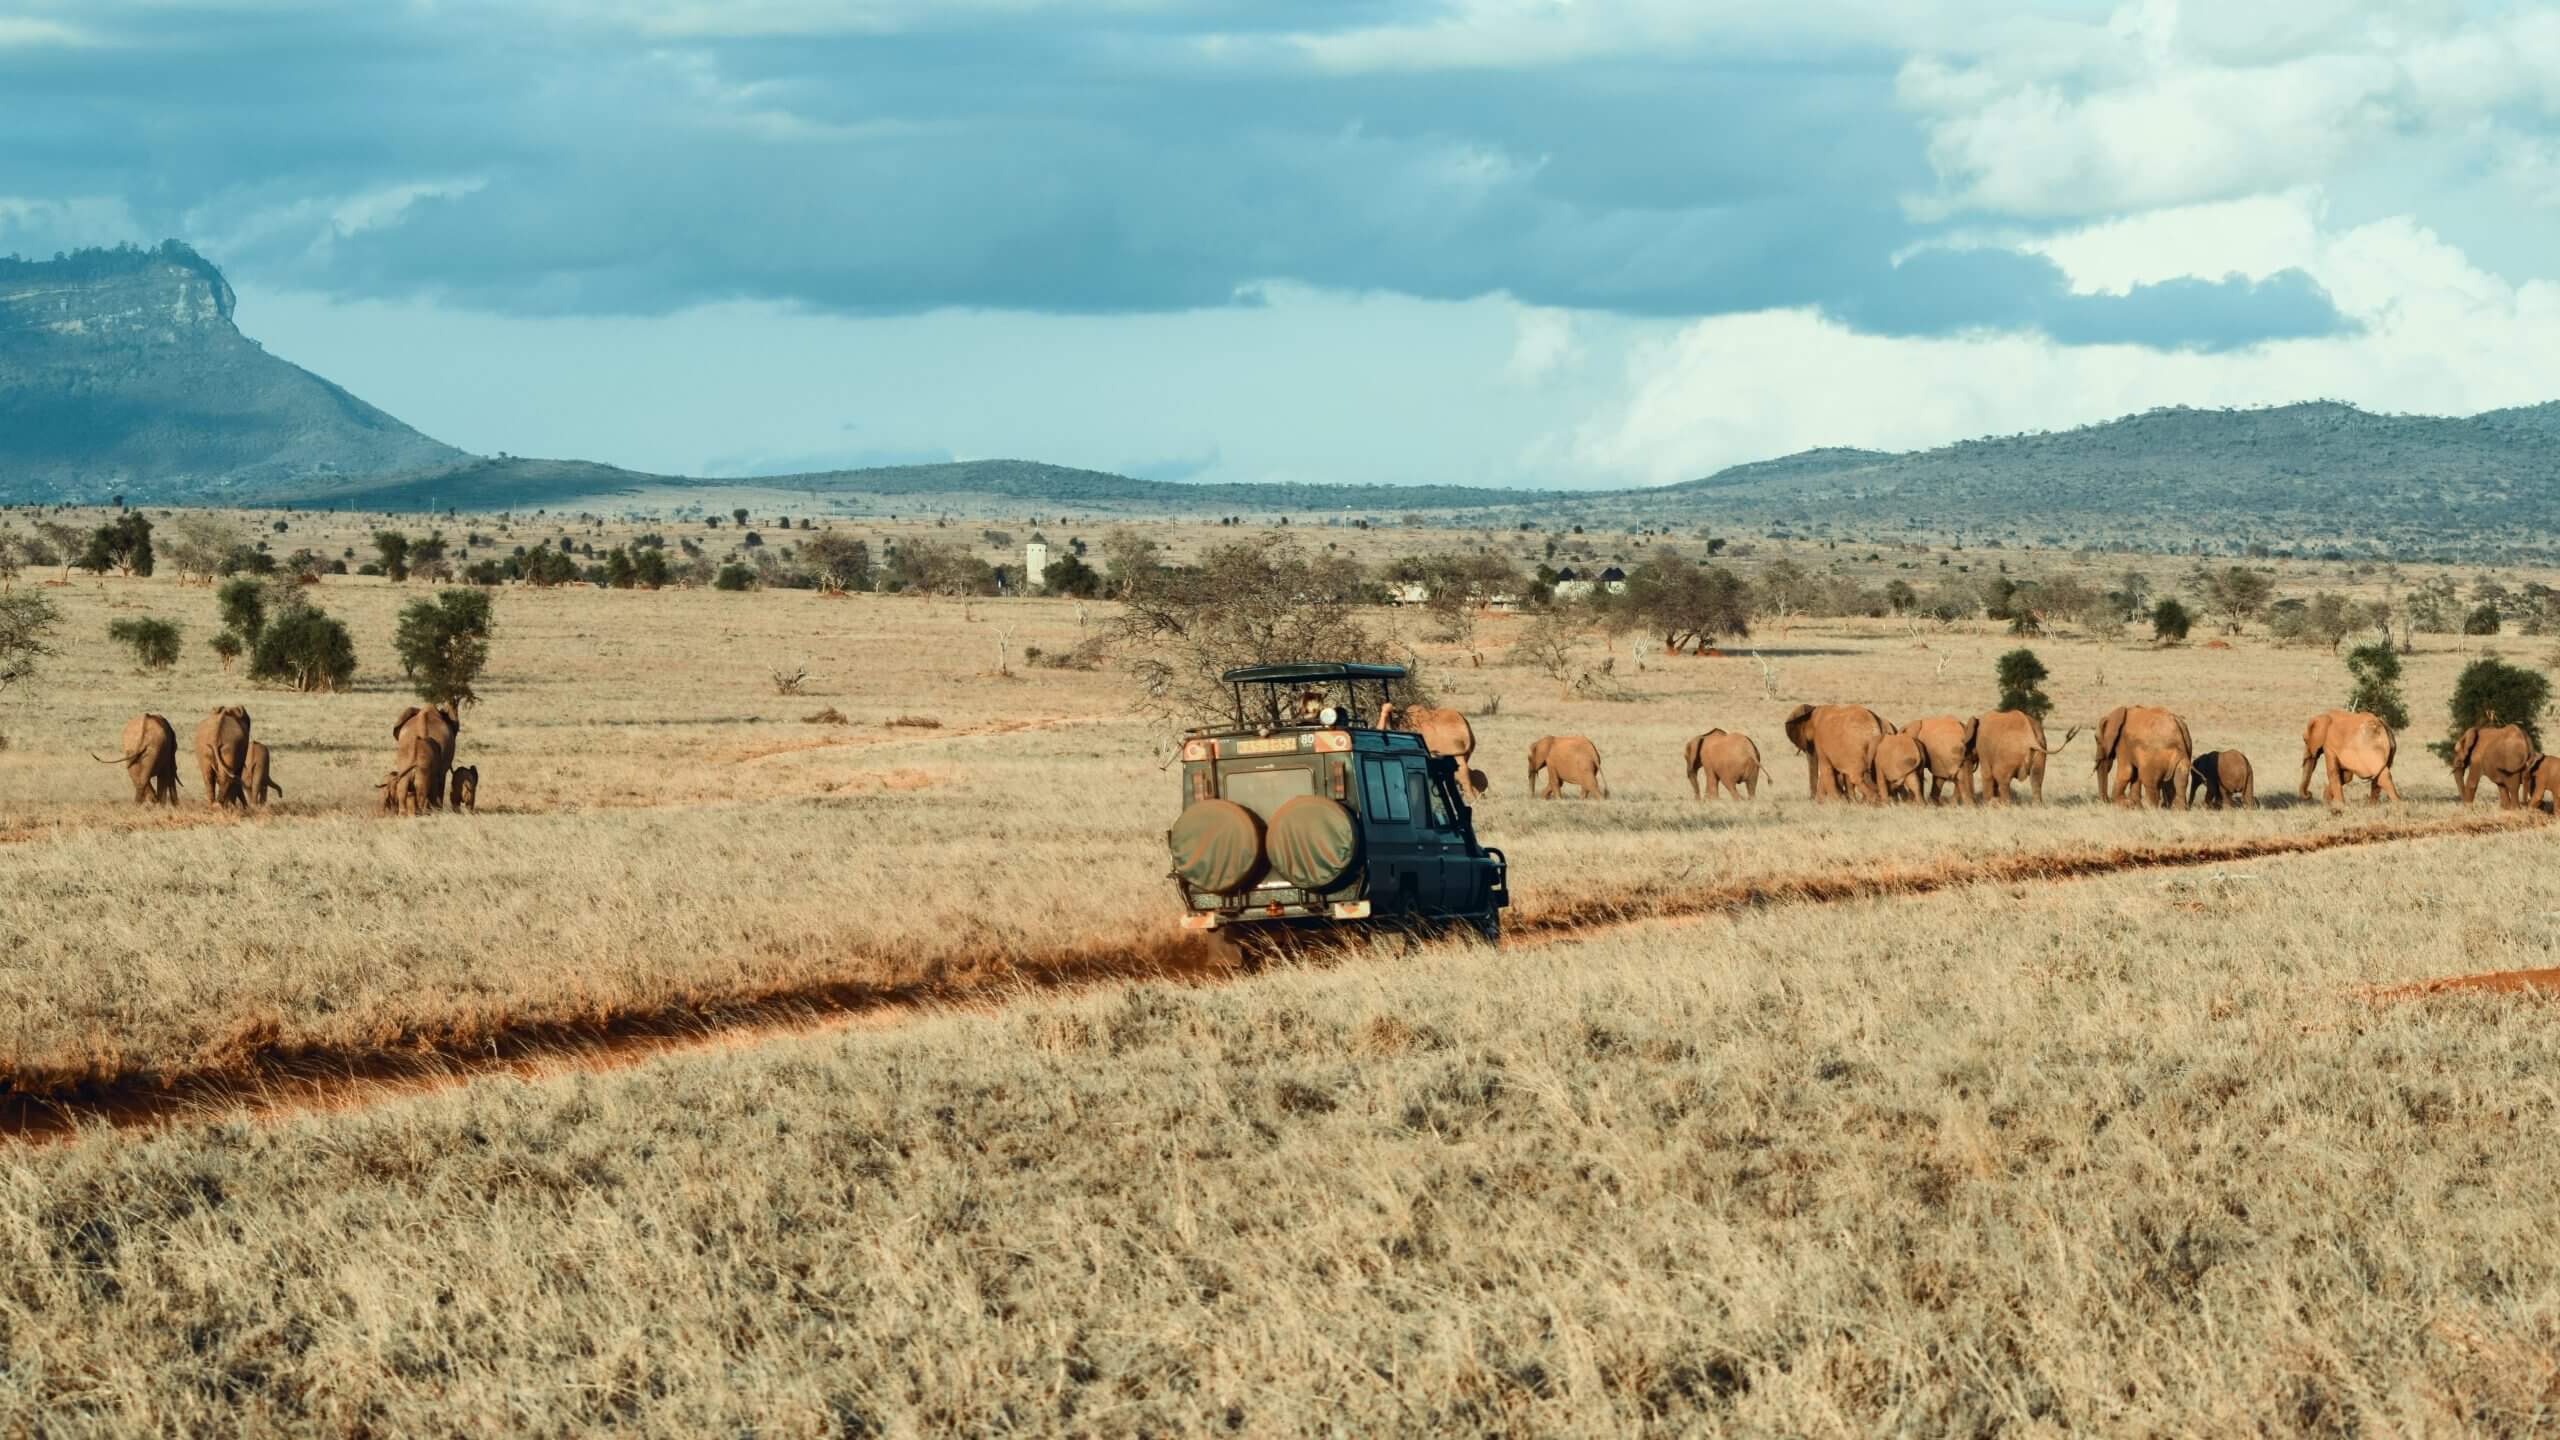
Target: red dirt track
{"type": "Point", "coordinates": [268, 1077]}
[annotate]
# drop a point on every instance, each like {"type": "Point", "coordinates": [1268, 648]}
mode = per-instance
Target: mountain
{"type": "Point", "coordinates": [121, 370]}
{"type": "Point", "coordinates": [2319, 470]}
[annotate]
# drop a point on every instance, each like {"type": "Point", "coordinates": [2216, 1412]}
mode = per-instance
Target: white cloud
{"type": "Point", "coordinates": [2441, 336]}
{"type": "Point", "coordinates": [42, 226]}
{"type": "Point", "coordinates": [1545, 344]}
{"type": "Point", "coordinates": [22, 32]}
{"type": "Point", "coordinates": [2170, 104]}
{"type": "Point", "coordinates": [311, 225]}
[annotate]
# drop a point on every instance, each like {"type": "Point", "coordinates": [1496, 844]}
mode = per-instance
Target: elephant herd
{"type": "Point", "coordinates": [239, 772]}
{"type": "Point", "coordinates": [2146, 755]}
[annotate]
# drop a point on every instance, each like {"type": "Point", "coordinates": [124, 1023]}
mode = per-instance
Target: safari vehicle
{"type": "Point", "coordinates": [1301, 813]}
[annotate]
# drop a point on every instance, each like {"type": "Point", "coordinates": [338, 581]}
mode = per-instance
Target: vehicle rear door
{"type": "Point", "coordinates": [1404, 865]}
{"type": "Point", "coordinates": [1443, 845]}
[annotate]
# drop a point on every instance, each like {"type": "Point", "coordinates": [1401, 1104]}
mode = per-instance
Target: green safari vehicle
{"type": "Point", "coordinates": [1302, 813]}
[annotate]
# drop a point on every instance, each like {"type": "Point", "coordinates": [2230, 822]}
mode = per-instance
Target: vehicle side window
{"type": "Point", "coordinates": [1424, 798]}
{"type": "Point", "coordinates": [1385, 790]}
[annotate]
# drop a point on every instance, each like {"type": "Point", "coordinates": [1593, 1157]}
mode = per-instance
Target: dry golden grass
{"type": "Point", "coordinates": [2125, 1154]}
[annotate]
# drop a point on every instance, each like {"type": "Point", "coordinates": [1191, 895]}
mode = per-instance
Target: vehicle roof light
{"type": "Point", "coordinates": [1200, 750]}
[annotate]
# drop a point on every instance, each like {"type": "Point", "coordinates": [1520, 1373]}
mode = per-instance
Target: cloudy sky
{"type": "Point", "coordinates": [1543, 242]}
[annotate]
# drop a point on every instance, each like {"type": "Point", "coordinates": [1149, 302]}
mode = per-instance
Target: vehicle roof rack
{"type": "Point", "coordinates": [1308, 672]}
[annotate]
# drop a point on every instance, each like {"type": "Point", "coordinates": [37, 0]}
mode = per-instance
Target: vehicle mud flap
{"type": "Point", "coordinates": [1312, 842]}
{"type": "Point", "coordinates": [1217, 845]}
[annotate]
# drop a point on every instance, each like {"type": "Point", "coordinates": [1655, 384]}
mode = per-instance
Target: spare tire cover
{"type": "Point", "coordinates": [1217, 845]}
{"type": "Point", "coordinates": [1313, 841]}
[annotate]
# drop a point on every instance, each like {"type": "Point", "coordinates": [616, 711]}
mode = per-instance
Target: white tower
{"type": "Point", "coordinates": [1035, 565]}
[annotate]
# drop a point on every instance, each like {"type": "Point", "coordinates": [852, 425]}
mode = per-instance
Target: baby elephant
{"type": "Point", "coordinates": [2224, 776]}
{"type": "Point", "coordinates": [2542, 781]}
{"type": "Point", "coordinates": [1902, 768]}
{"type": "Point", "coordinates": [257, 775]}
{"type": "Point", "coordinates": [463, 786]}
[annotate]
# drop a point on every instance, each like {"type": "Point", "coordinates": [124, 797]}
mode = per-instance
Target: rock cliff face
{"type": "Point", "coordinates": [121, 372]}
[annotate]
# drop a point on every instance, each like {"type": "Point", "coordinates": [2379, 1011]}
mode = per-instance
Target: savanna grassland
{"type": "Point", "coordinates": [2133, 1152]}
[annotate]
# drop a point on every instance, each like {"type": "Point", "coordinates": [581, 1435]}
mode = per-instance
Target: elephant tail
{"type": "Point", "coordinates": [2067, 737]}
{"type": "Point", "coordinates": [115, 759]}
{"type": "Point", "coordinates": [271, 785]}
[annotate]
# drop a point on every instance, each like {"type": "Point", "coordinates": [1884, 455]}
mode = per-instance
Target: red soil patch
{"type": "Point", "coordinates": [2544, 982]}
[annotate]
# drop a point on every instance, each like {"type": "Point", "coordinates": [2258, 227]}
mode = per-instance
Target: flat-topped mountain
{"type": "Point", "coordinates": [121, 370]}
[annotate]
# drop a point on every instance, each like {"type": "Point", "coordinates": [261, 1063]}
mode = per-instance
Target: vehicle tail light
{"type": "Point", "coordinates": [1351, 910]}
{"type": "Point", "coordinates": [1333, 742]}
{"type": "Point", "coordinates": [1202, 784]}
{"type": "Point", "coordinates": [1200, 750]}
{"type": "Point", "coordinates": [1337, 779]}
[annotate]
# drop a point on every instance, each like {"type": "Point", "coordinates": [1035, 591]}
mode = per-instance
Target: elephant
{"type": "Point", "coordinates": [1902, 767]}
{"type": "Point", "coordinates": [2008, 746]}
{"type": "Point", "coordinates": [2144, 754]}
{"type": "Point", "coordinates": [2501, 754]}
{"type": "Point", "coordinates": [149, 756]}
{"type": "Point", "coordinates": [1568, 760]}
{"type": "Point", "coordinates": [442, 730]}
{"type": "Point", "coordinates": [1729, 761]}
{"type": "Point", "coordinates": [404, 789]}
{"type": "Point", "coordinates": [257, 775]}
{"type": "Point", "coordinates": [2541, 782]}
{"type": "Point", "coordinates": [2225, 778]}
{"type": "Point", "coordinates": [1838, 745]}
{"type": "Point", "coordinates": [465, 788]}
{"type": "Point", "coordinates": [2358, 746]}
{"type": "Point", "coordinates": [222, 747]}
{"type": "Point", "coordinates": [1948, 744]}
{"type": "Point", "coordinates": [1443, 732]}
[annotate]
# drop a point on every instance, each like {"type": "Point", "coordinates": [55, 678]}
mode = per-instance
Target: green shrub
{"type": "Point", "coordinates": [154, 641]}
{"type": "Point", "coordinates": [307, 650]}
{"type": "Point", "coordinates": [242, 604]}
{"type": "Point", "coordinates": [227, 645]}
{"type": "Point", "coordinates": [2376, 669]}
{"type": "Point", "coordinates": [2170, 621]}
{"type": "Point", "coordinates": [2489, 691]}
{"type": "Point", "coordinates": [444, 643]}
{"type": "Point", "coordinates": [2019, 674]}
{"type": "Point", "coordinates": [735, 577]}
{"type": "Point", "coordinates": [2483, 621]}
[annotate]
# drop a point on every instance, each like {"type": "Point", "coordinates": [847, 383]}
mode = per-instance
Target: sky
{"type": "Point", "coordinates": [1553, 243]}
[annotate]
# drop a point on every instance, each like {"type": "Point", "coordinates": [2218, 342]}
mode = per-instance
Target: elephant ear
{"type": "Point", "coordinates": [1797, 720]}
{"type": "Point", "coordinates": [402, 723]}
{"type": "Point", "coordinates": [1972, 730]}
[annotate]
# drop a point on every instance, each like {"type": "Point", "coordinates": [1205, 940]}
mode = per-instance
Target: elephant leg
{"type": "Point", "coordinates": [2309, 759]}
{"type": "Point", "coordinates": [2337, 787]}
{"type": "Point", "coordinates": [2185, 797]}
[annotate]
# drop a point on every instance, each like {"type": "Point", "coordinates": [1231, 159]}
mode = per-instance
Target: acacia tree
{"type": "Point", "coordinates": [2021, 676]}
{"type": "Point", "coordinates": [2377, 690]}
{"type": "Point", "coordinates": [122, 544]}
{"type": "Point", "coordinates": [1252, 603]}
{"type": "Point", "coordinates": [1686, 603]}
{"type": "Point", "coordinates": [840, 562]}
{"type": "Point", "coordinates": [26, 626]}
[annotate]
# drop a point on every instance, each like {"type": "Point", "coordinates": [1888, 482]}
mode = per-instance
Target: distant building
{"type": "Point", "coordinates": [1035, 565]}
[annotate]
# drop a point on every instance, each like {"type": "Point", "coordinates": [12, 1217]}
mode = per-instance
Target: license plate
{"type": "Point", "coordinates": [1275, 745]}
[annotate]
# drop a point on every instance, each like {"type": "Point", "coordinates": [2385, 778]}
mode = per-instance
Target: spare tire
{"type": "Point", "coordinates": [1217, 845]}
{"type": "Point", "coordinates": [1313, 842]}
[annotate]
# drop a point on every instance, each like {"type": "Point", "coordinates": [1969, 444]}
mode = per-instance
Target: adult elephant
{"type": "Point", "coordinates": [2145, 755]}
{"type": "Point", "coordinates": [2358, 746]}
{"type": "Point", "coordinates": [1948, 744]}
{"type": "Point", "coordinates": [441, 731]}
{"type": "Point", "coordinates": [2008, 746]}
{"type": "Point", "coordinates": [1838, 743]}
{"type": "Point", "coordinates": [1729, 761]}
{"type": "Point", "coordinates": [222, 748]}
{"type": "Point", "coordinates": [2499, 754]}
{"type": "Point", "coordinates": [2542, 782]}
{"type": "Point", "coordinates": [1444, 732]}
{"type": "Point", "coordinates": [1568, 760]}
{"type": "Point", "coordinates": [149, 755]}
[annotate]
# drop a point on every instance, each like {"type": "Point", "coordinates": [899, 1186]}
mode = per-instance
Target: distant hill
{"type": "Point", "coordinates": [120, 371]}
{"type": "Point", "coordinates": [2318, 470]}
{"type": "Point", "coordinates": [521, 484]}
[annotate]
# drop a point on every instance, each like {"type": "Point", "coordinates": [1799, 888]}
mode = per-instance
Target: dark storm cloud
{"type": "Point", "coordinates": [1937, 292]}
{"type": "Point", "coordinates": [1037, 161]}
